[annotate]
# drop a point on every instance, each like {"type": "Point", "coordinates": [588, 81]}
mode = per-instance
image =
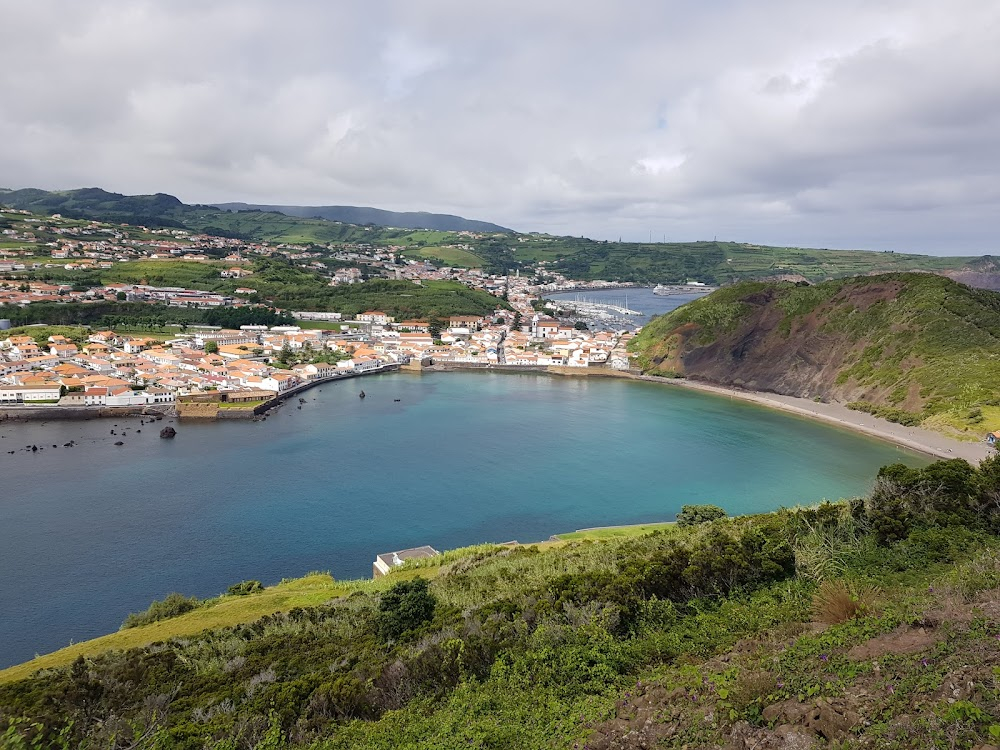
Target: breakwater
{"type": "Point", "coordinates": [50, 413]}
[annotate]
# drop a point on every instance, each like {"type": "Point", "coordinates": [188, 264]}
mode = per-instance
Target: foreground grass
{"type": "Point", "coordinates": [223, 612]}
{"type": "Point", "coordinates": [650, 636]}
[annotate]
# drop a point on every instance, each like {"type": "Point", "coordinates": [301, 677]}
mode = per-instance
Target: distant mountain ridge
{"type": "Point", "coordinates": [362, 215]}
{"type": "Point", "coordinates": [165, 210]}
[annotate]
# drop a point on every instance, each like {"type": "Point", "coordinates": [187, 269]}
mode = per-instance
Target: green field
{"type": "Point", "coordinates": [447, 256]}
{"type": "Point", "coordinates": [189, 274]}
{"type": "Point", "coordinates": [612, 532]}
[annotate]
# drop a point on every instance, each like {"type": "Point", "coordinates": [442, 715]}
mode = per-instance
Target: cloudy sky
{"type": "Point", "coordinates": [856, 123]}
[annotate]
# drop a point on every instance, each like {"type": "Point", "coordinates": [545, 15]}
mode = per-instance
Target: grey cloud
{"type": "Point", "coordinates": [849, 124]}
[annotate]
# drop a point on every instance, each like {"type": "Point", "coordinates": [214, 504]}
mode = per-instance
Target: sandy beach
{"type": "Point", "coordinates": [914, 438]}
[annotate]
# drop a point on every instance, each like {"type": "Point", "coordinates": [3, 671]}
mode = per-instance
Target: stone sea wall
{"type": "Point", "coordinates": [47, 413]}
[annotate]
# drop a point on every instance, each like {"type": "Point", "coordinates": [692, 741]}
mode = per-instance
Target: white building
{"type": "Point", "coordinates": [28, 394]}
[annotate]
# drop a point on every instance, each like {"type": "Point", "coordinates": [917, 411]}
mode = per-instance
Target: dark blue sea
{"type": "Point", "coordinates": [91, 533]}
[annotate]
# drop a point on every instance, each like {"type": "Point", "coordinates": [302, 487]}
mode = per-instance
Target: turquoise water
{"type": "Point", "coordinates": [90, 533]}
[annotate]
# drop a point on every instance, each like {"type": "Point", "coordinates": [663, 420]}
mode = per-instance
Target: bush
{"type": "Point", "coordinates": [834, 602]}
{"type": "Point", "coordinates": [405, 607]}
{"type": "Point", "coordinates": [945, 493]}
{"type": "Point", "coordinates": [692, 515]}
{"type": "Point", "coordinates": [173, 605]}
{"type": "Point", "coordinates": [889, 413]}
{"type": "Point", "coordinates": [243, 588]}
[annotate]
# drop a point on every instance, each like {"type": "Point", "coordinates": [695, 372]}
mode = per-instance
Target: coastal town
{"type": "Point", "coordinates": [113, 369]}
{"type": "Point", "coordinates": [99, 366]}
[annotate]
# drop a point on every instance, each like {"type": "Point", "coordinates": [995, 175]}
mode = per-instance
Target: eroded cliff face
{"type": "Point", "coordinates": [803, 358]}
{"type": "Point", "coordinates": [764, 347]}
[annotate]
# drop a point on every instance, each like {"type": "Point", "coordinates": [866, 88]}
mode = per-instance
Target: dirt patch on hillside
{"type": "Point", "coordinates": [900, 641]}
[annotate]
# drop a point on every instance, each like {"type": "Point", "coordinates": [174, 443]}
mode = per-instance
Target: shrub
{"type": "Point", "coordinates": [692, 515]}
{"type": "Point", "coordinates": [834, 602]}
{"type": "Point", "coordinates": [173, 605]}
{"type": "Point", "coordinates": [404, 607]}
{"type": "Point", "coordinates": [889, 413]}
{"type": "Point", "coordinates": [243, 588]}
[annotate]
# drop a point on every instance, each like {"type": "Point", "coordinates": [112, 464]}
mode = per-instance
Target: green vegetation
{"type": "Point", "coordinates": [692, 515]}
{"type": "Point", "coordinates": [913, 348]}
{"type": "Point", "coordinates": [627, 642]}
{"type": "Point", "coordinates": [40, 334]}
{"type": "Point", "coordinates": [136, 316]}
{"type": "Point", "coordinates": [609, 532]}
{"type": "Point", "coordinates": [189, 274]}
{"type": "Point", "coordinates": [245, 588]}
{"type": "Point", "coordinates": [580, 258]}
{"type": "Point", "coordinates": [712, 262]}
{"type": "Point", "coordinates": [404, 299]}
{"type": "Point", "coordinates": [173, 605]}
{"type": "Point", "coordinates": [166, 211]}
{"type": "Point", "coordinates": [283, 284]}
{"type": "Point", "coordinates": [446, 256]}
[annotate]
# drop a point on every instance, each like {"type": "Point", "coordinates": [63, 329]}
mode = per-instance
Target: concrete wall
{"type": "Point", "coordinates": [44, 413]}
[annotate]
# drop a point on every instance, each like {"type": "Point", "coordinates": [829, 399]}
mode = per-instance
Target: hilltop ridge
{"type": "Point", "coordinates": [162, 209]}
{"type": "Point", "coordinates": [915, 348]}
{"type": "Point", "coordinates": [362, 215]}
{"type": "Point", "coordinates": [494, 248]}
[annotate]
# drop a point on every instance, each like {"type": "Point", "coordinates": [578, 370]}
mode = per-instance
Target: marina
{"type": "Point", "coordinates": [609, 306]}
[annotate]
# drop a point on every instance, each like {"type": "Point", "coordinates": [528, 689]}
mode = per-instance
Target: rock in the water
{"type": "Point", "coordinates": [168, 432]}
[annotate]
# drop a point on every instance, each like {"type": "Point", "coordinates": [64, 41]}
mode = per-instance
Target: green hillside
{"type": "Point", "coordinates": [915, 348]}
{"type": "Point", "coordinates": [363, 216]}
{"type": "Point", "coordinates": [164, 211]}
{"type": "Point", "coordinates": [576, 257]}
{"type": "Point", "coordinates": [720, 262]}
{"type": "Point", "coordinates": [868, 624]}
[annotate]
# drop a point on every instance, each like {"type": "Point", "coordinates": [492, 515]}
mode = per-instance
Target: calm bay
{"type": "Point", "coordinates": [90, 533]}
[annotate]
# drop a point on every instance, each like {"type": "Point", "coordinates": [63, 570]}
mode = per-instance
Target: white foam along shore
{"type": "Point", "coordinates": [914, 438]}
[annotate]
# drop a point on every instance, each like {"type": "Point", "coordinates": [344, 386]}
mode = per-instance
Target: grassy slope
{"type": "Point", "coordinates": [691, 676]}
{"type": "Point", "coordinates": [918, 343]}
{"type": "Point", "coordinates": [308, 591]}
{"type": "Point", "coordinates": [224, 612]}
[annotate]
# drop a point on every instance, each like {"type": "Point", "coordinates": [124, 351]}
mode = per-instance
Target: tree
{"type": "Point", "coordinates": [211, 347]}
{"type": "Point", "coordinates": [121, 296]}
{"type": "Point", "coordinates": [435, 325]}
{"type": "Point", "coordinates": [580, 325]}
